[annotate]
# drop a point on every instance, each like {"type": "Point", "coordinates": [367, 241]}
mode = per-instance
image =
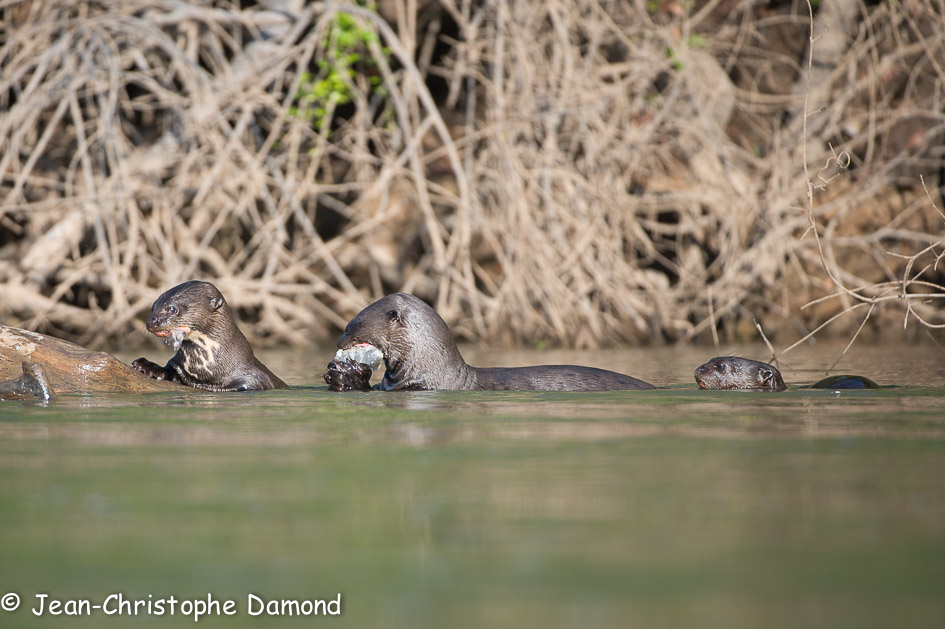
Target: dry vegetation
{"type": "Point", "coordinates": [572, 172]}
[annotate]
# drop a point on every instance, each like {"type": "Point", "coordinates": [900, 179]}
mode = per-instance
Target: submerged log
{"type": "Point", "coordinates": [69, 367]}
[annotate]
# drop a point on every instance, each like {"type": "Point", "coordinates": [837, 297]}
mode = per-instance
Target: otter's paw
{"type": "Point", "coordinates": [348, 375]}
{"type": "Point", "coordinates": [152, 370]}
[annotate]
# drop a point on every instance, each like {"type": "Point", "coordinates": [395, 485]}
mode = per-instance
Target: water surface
{"type": "Point", "coordinates": [675, 507]}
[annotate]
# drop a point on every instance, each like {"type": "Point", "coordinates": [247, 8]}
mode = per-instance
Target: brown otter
{"type": "Point", "coordinates": [32, 385]}
{"type": "Point", "coordinates": [734, 372]}
{"type": "Point", "coordinates": [212, 353]}
{"type": "Point", "coordinates": [420, 353]}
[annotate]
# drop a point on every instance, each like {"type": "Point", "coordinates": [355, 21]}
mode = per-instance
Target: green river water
{"type": "Point", "coordinates": [667, 508]}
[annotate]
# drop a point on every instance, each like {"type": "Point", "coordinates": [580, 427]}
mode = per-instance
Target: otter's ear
{"type": "Point", "coordinates": [216, 302]}
{"type": "Point", "coordinates": [393, 315]}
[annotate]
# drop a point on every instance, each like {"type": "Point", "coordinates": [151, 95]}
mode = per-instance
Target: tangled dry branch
{"type": "Point", "coordinates": [581, 173]}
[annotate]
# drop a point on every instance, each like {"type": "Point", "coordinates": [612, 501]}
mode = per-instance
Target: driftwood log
{"type": "Point", "coordinates": [69, 367]}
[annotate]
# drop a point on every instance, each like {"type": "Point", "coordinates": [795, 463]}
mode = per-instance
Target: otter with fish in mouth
{"type": "Point", "coordinates": [419, 353]}
{"type": "Point", "coordinates": [211, 351]}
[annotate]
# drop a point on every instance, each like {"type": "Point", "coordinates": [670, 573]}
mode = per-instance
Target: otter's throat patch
{"type": "Point", "coordinates": [199, 358]}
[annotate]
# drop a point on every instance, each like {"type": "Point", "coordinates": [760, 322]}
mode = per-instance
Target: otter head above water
{"type": "Point", "coordinates": [212, 352]}
{"type": "Point", "coordinates": [190, 311]}
{"type": "Point", "coordinates": [417, 345]}
{"type": "Point", "coordinates": [733, 372]}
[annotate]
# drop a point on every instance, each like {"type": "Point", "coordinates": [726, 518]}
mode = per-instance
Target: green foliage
{"type": "Point", "coordinates": [695, 40]}
{"type": "Point", "coordinates": [345, 45]}
{"type": "Point", "coordinates": [674, 59]}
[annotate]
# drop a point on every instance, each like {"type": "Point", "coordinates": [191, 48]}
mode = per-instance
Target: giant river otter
{"type": "Point", "coordinates": [419, 353]}
{"type": "Point", "coordinates": [734, 372]}
{"type": "Point", "coordinates": [212, 353]}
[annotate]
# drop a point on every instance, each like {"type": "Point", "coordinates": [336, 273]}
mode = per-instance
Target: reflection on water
{"type": "Point", "coordinates": [674, 507]}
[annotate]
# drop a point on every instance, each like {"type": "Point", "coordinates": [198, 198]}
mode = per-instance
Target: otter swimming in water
{"type": "Point", "coordinates": [211, 351]}
{"type": "Point", "coordinates": [734, 372]}
{"type": "Point", "coordinates": [420, 354]}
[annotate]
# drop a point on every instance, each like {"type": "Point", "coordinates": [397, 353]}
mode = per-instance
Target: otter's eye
{"type": "Point", "coordinates": [172, 310]}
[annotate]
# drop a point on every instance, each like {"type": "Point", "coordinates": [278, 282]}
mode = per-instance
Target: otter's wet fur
{"type": "Point", "coordinates": [735, 372]}
{"type": "Point", "coordinates": [421, 354]}
{"type": "Point", "coordinates": [211, 351]}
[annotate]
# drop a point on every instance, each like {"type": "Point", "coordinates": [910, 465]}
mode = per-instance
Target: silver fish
{"type": "Point", "coordinates": [364, 354]}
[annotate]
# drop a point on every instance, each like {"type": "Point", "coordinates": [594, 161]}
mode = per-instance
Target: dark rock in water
{"type": "Point", "coordinates": [845, 382]}
{"type": "Point", "coordinates": [70, 368]}
{"type": "Point", "coordinates": [32, 385]}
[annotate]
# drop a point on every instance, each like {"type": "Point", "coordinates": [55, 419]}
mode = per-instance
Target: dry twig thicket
{"type": "Point", "coordinates": [578, 172]}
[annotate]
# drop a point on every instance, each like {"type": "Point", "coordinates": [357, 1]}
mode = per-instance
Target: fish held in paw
{"type": "Point", "coordinates": [352, 368]}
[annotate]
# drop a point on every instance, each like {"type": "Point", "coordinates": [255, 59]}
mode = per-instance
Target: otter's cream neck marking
{"type": "Point", "coordinates": [204, 360]}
